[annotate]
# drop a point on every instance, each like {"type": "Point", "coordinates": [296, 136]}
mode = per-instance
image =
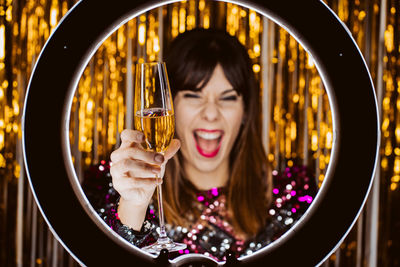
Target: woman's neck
{"type": "Point", "coordinates": [206, 180]}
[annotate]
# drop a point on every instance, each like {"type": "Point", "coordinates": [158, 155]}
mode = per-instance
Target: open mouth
{"type": "Point", "coordinates": [208, 142]}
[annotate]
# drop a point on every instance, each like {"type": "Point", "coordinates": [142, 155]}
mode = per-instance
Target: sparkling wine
{"type": "Point", "coordinates": [158, 125]}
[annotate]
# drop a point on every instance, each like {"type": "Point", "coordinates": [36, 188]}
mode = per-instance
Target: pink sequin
{"type": "Point", "coordinates": [214, 191]}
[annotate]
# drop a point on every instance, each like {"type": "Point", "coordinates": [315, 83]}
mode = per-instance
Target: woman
{"type": "Point", "coordinates": [216, 180]}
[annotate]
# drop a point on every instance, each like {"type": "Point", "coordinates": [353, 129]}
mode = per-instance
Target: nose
{"type": "Point", "coordinates": [210, 111]}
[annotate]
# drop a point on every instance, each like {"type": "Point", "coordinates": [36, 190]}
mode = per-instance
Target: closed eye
{"type": "Point", "coordinates": [191, 95]}
{"type": "Point", "coordinates": [229, 98]}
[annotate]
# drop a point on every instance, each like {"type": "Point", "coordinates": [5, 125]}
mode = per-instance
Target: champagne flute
{"type": "Point", "coordinates": [154, 116]}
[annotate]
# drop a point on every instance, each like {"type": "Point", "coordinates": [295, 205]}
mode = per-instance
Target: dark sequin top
{"type": "Point", "coordinates": [211, 234]}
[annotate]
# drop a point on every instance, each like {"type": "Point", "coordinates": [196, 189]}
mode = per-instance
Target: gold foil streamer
{"type": "Point", "coordinates": [300, 93]}
{"type": "Point", "coordinates": [300, 119]}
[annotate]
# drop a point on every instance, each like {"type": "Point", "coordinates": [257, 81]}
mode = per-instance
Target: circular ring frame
{"type": "Point", "coordinates": [65, 207]}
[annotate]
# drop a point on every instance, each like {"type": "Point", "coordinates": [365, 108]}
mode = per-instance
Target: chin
{"type": "Point", "coordinates": [207, 166]}
{"type": "Point", "coordinates": [208, 163]}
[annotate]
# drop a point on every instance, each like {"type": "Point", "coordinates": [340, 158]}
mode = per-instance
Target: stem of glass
{"type": "Point", "coordinates": [163, 234]}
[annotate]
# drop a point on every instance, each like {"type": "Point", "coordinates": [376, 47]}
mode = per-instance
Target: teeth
{"type": "Point", "coordinates": [208, 136]}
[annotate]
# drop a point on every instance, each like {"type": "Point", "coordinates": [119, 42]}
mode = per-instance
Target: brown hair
{"type": "Point", "coordinates": [190, 61]}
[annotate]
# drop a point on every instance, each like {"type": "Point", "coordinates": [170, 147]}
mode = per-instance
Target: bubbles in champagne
{"type": "Point", "coordinates": [158, 126]}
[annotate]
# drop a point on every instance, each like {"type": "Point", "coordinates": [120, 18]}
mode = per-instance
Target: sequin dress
{"type": "Point", "coordinates": [212, 233]}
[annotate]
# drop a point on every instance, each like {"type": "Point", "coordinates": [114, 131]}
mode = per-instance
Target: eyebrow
{"type": "Point", "coordinates": [228, 91]}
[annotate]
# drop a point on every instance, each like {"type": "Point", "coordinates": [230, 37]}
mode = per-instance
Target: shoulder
{"type": "Point", "coordinates": [294, 188]}
{"type": "Point", "coordinates": [293, 191]}
{"type": "Point", "coordinates": [97, 175]}
{"type": "Point", "coordinates": [97, 185]}
{"type": "Point", "coordinates": [294, 184]}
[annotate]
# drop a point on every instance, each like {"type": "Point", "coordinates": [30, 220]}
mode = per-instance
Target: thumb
{"type": "Point", "coordinates": [172, 149]}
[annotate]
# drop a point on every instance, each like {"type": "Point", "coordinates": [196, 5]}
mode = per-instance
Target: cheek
{"type": "Point", "coordinates": [236, 113]}
{"type": "Point", "coordinates": [179, 128]}
{"type": "Point", "coordinates": [235, 119]}
{"type": "Point", "coordinates": [237, 124]}
{"type": "Point", "coordinates": [183, 117]}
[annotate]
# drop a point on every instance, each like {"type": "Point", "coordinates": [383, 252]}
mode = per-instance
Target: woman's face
{"type": "Point", "coordinates": [208, 122]}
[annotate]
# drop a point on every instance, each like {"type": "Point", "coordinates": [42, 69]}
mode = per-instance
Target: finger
{"type": "Point", "coordinates": [134, 168]}
{"type": "Point", "coordinates": [137, 153]}
{"type": "Point", "coordinates": [145, 182]}
{"type": "Point", "coordinates": [172, 149]}
{"type": "Point", "coordinates": [128, 137]}
{"type": "Point", "coordinates": [137, 183]}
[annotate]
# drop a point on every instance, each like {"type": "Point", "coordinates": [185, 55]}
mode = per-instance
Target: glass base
{"type": "Point", "coordinates": [164, 243]}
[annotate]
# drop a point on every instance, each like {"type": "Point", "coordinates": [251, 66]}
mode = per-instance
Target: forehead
{"type": "Point", "coordinates": [218, 82]}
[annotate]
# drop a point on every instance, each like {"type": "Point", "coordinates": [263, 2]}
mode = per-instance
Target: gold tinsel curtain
{"type": "Point", "coordinates": [297, 124]}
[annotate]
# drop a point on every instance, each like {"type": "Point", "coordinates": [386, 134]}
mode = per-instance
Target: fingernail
{"type": "Point", "coordinates": [159, 158]}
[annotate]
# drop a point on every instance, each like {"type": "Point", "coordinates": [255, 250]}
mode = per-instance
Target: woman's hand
{"type": "Point", "coordinates": [134, 172]}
